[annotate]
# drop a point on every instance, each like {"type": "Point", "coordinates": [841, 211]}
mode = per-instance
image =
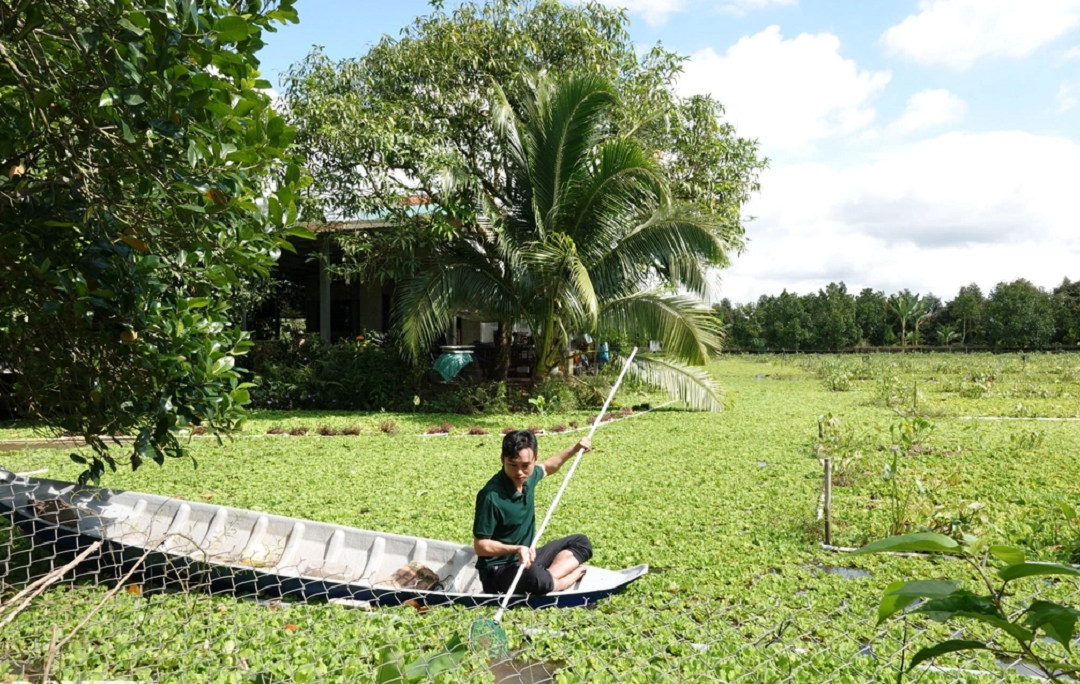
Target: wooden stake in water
{"type": "Point", "coordinates": [828, 501]}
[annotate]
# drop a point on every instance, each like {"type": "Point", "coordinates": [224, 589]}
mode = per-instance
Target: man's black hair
{"type": "Point", "coordinates": [516, 441]}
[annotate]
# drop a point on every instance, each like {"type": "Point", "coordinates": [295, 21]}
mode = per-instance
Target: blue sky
{"type": "Point", "coordinates": [913, 143]}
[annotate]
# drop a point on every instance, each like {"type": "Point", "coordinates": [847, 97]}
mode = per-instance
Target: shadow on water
{"type": "Point", "coordinates": [515, 670]}
{"type": "Point", "coordinates": [846, 573]}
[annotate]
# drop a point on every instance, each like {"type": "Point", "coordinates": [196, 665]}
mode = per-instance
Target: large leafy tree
{"type": "Point", "coordinates": [785, 320]}
{"type": "Point", "coordinates": [1019, 314]}
{"type": "Point", "coordinates": [832, 316]}
{"type": "Point", "coordinates": [966, 310]}
{"type": "Point", "coordinates": [872, 316]}
{"type": "Point", "coordinates": [414, 113]}
{"type": "Point", "coordinates": [1067, 312]}
{"type": "Point", "coordinates": [144, 178]}
{"type": "Point", "coordinates": [579, 233]}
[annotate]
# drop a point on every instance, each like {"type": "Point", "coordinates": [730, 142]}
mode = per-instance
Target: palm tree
{"type": "Point", "coordinates": [907, 306]}
{"type": "Point", "coordinates": [579, 235]}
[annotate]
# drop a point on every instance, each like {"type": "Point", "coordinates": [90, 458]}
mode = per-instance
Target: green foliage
{"type": "Point", "coordinates": [733, 567]}
{"type": "Point", "coordinates": [144, 178]}
{"type": "Point", "coordinates": [1014, 628]}
{"type": "Point", "coordinates": [1018, 314]}
{"type": "Point", "coordinates": [412, 117]}
{"type": "Point", "coordinates": [348, 375]}
{"type": "Point", "coordinates": [581, 237]}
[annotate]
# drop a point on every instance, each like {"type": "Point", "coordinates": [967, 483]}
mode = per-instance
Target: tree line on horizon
{"type": "Point", "coordinates": [1015, 314]}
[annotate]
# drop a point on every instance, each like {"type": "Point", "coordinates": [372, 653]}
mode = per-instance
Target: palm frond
{"type": "Point", "coordinates": [623, 181]}
{"type": "Point", "coordinates": [561, 137]}
{"type": "Point", "coordinates": [691, 385]}
{"type": "Point", "coordinates": [676, 244]}
{"type": "Point", "coordinates": [681, 324]}
{"type": "Point", "coordinates": [427, 302]}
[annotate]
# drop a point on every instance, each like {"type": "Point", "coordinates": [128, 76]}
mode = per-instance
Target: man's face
{"type": "Point", "coordinates": [519, 469]}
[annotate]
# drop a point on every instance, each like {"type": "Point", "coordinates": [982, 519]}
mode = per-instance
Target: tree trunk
{"type": "Point", "coordinates": [504, 338]}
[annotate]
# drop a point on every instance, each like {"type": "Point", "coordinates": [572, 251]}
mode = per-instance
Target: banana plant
{"type": "Point", "coordinates": [907, 307]}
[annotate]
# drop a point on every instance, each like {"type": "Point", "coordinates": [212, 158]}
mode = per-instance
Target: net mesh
{"type": "Point", "coordinates": [97, 587]}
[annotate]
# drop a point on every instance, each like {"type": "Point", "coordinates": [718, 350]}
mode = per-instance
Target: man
{"type": "Point", "coordinates": [505, 524]}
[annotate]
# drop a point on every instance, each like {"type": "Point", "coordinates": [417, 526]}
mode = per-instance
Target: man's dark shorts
{"type": "Point", "coordinates": [536, 579]}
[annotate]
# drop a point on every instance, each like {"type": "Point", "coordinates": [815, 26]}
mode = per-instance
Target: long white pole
{"type": "Point", "coordinates": [566, 481]}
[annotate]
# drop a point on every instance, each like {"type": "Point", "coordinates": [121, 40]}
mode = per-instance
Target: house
{"type": "Point", "coordinates": [332, 307]}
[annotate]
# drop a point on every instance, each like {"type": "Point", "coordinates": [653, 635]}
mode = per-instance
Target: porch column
{"type": "Point", "coordinates": [324, 291]}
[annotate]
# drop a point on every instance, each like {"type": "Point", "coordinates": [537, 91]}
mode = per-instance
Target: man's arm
{"type": "Point", "coordinates": [552, 465]}
{"type": "Point", "coordinates": [489, 548]}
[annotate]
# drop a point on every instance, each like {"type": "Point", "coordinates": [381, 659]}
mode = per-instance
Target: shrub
{"type": "Point", "coordinates": [276, 430]}
{"type": "Point", "coordinates": [558, 428]}
{"type": "Point", "coordinates": [446, 427]}
{"type": "Point", "coordinates": [535, 430]}
{"type": "Point", "coordinates": [352, 375]}
{"type": "Point", "coordinates": [574, 425]}
{"type": "Point", "coordinates": [626, 411]}
{"type": "Point", "coordinates": [327, 431]}
{"type": "Point", "coordinates": [477, 431]}
{"type": "Point", "coordinates": [351, 430]}
{"type": "Point", "coordinates": [299, 431]}
{"type": "Point", "coordinates": [508, 430]}
{"type": "Point", "coordinates": [198, 430]}
{"type": "Point", "coordinates": [388, 427]}
{"type": "Point", "coordinates": [469, 398]}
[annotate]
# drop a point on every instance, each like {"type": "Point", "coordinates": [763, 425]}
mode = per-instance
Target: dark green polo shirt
{"type": "Point", "coordinates": [506, 515]}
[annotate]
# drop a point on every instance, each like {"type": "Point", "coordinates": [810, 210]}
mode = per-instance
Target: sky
{"type": "Point", "coordinates": [920, 144]}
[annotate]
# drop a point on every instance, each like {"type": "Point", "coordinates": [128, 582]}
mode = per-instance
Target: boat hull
{"type": "Point", "coordinates": [172, 568]}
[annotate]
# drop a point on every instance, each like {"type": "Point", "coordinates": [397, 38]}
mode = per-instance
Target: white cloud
{"type": "Point", "coordinates": [787, 93]}
{"type": "Point", "coordinates": [743, 7]}
{"type": "Point", "coordinates": [957, 33]}
{"type": "Point", "coordinates": [656, 12]}
{"type": "Point", "coordinates": [1071, 54]}
{"type": "Point", "coordinates": [929, 109]}
{"type": "Point", "coordinates": [932, 216]}
{"type": "Point", "coordinates": [1068, 95]}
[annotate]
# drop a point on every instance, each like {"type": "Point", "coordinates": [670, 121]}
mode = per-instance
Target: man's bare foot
{"type": "Point", "coordinates": [568, 581]}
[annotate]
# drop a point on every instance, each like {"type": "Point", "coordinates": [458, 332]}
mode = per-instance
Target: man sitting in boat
{"type": "Point", "coordinates": [505, 524]}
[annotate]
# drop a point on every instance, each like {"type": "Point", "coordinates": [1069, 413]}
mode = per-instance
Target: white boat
{"type": "Point", "coordinates": [240, 551]}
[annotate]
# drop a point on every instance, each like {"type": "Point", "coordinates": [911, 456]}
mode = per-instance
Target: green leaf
{"type": "Point", "coordinates": [926, 588]}
{"type": "Point", "coordinates": [1008, 554]}
{"type": "Point", "coordinates": [240, 396]}
{"type": "Point", "coordinates": [928, 542]}
{"type": "Point", "coordinates": [231, 29]}
{"type": "Point", "coordinates": [300, 232]}
{"type": "Point", "coordinates": [222, 365]}
{"type": "Point", "coordinates": [1033, 569]}
{"type": "Point", "coordinates": [1057, 621]}
{"type": "Point", "coordinates": [1068, 511]}
{"type": "Point", "coordinates": [108, 97]}
{"type": "Point", "coordinates": [893, 603]}
{"type": "Point", "coordinates": [77, 458]}
{"type": "Point", "coordinates": [132, 97]}
{"type": "Point", "coordinates": [197, 302]}
{"type": "Point", "coordinates": [968, 605]}
{"type": "Point", "coordinates": [390, 670]}
{"type": "Point", "coordinates": [125, 24]}
{"type": "Point", "coordinates": [950, 646]}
